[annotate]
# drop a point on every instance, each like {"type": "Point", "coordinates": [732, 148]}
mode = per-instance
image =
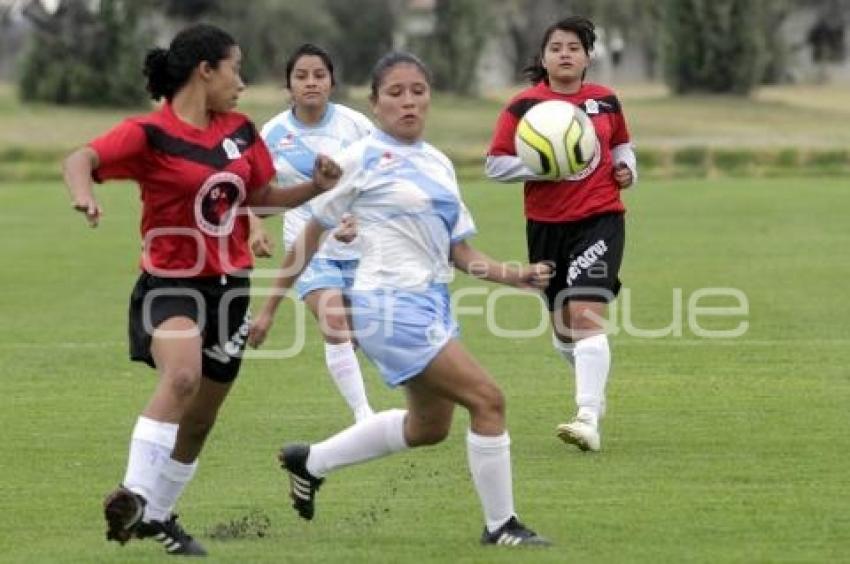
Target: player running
{"type": "Point", "coordinates": [197, 163]}
{"type": "Point", "coordinates": [413, 227]}
{"type": "Point", "coordinates": [577, 223]}
{"type": "Point", "coordinates": [314, 125]}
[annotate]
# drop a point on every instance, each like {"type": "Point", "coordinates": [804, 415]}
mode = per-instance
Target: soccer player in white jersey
{"type": "Point", "coordinates": [314, 125]}
{"type": "Point", "coordinates": [413, 226]}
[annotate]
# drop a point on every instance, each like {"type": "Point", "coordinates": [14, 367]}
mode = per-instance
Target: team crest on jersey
{"type": "Point", "coordinates": [387, 162]}
{"type": "Point", "coordinates": [216, 203]}
{"type": "Point", "coordinates": [286, 142]}
{"type": "Point", "coordinates": [231, 149]}
{"type": "Point", "coordinates": [591, 107]}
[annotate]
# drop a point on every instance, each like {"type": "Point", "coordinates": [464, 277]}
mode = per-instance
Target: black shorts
{"type": "Point", "coordinates": [586, 255]}
{"type": "Point", "coordinates": [218, 304]}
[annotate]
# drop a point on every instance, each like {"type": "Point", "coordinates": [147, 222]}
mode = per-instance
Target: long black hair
{"type": "Point", "coordinates": [309, 49]}
{"type": "Point", "coordinates": [581, 26]}
{"type": "Point", "coordinates": [167, 70]}
{"type": "Point", "coordinates": [388, 61]}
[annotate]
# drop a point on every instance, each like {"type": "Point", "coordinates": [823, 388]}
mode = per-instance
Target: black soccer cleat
{"type": "Point", "coordinates": [123, 511]}
{"type": "Point", "coordinates": [172, 536]}
{"type": "Point", "coordinates": [302, 485]}
{"type": "Point", "coordinates": [513, 533]}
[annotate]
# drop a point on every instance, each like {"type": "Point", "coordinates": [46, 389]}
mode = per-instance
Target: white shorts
{"type": "Point", "coordinates": [402, 332]}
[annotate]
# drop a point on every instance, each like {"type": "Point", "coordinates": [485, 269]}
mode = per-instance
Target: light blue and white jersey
{"type": "Point", "coordinates": [408, 208]}
{"type": "Point", "coordinates": [294, 146]}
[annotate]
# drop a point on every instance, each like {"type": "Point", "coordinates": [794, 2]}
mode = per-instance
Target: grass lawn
{"type": "Point", "coordinates": [715, 450]}
{"type": "Point", "coordinates": [776, 117]}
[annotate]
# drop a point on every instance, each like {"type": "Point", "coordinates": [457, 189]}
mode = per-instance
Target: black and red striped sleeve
{"type": "Point", "coordinates": [120, 152]}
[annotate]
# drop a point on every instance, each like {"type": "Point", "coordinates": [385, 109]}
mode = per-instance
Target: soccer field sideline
{"type": "Point", "coordinates": [714, 450]}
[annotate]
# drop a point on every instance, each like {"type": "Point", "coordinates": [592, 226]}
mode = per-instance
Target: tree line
{"type": "Point", "coordinates": [90, 53]}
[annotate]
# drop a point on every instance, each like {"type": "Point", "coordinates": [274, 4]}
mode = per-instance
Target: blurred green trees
{"type": "Point", "coordinates": [715, 46]}
{"type": "Point", "coordinates": [80, 56]}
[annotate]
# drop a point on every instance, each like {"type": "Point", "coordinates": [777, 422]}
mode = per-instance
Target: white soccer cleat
{"type": "Point", "coordinates": [582, 433]}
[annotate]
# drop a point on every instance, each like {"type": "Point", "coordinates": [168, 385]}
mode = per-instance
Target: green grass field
{"type": "Point", "coordinates": [715, 450]}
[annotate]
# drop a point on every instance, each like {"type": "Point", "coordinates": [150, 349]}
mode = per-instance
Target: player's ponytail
{"type": "Point", "coordinates": [156, 71]}
{"type": "Point", "coordinates": [168, 70]}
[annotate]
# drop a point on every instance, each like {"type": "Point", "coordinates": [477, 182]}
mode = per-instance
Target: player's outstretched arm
{"type": "Point", "coordinates": [294, 262]}
{"type": "Point", "coordinates": [273, 199]}
{"type": "Point", "coordinates": [77, 170]}
{"type": "Point", "coordinates": [475, 263]}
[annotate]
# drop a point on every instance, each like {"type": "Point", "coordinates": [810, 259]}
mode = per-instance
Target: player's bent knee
{"type": "Point", "coordinates": [336, 328]}
{"type": "Point", "coordinates": [490, 400]}
{"type": "Point", "coordinates": [183, 381]}
{"type": "Point", "coordinates": [427, 434]}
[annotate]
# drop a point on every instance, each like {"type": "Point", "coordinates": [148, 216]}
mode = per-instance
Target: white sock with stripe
{"type": "Point", "coordinates": [490, 466]}
{"type": "Point", "coordinates": [150, 446]}
{"type": "Point", "coordinates": [345, 370]}
{"type": "Point", "coordinates": [593, 362]}
{"type": "Point", "coordinates": [370, 438]}
{"type": "Point", "coordinates": [170, 483]}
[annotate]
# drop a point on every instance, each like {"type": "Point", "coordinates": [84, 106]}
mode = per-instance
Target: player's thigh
{"type": "Point", "coordinates": [456, 376]}
{"type": "Point", "coordinates": [176, 346]}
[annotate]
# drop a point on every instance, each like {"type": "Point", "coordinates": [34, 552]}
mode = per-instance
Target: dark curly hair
{"type": "Point", "coordinates": [579, 25]}
{"type": "Point", "coordinates": [167, 70]}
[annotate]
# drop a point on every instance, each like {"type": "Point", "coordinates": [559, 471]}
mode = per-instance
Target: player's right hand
{"type": "Point", "coordinates": [259, 329]}
{"type": "Point", "coordinates": [536, 275]}
{"type": "Point", "coordinates": [89, 207]}
{"type": "Point", "coordinates": [347, 230]}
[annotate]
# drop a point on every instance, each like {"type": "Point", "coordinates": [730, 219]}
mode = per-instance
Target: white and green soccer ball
{"type": "Point", "coordinates": [556, 140]}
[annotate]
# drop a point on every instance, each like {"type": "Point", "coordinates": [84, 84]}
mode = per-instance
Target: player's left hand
{"type": "Point", "coordinates": [347, 230]}
{"type": "Point", "coordinates": [326, 172]}
{"type": "Point", "coordinates": [261, 243]}
{"type": "Point", "coordinates": [535, 276]}
{"type": "Point", "coordinates": [259, 329]}
{"type": "Point", "coordinates": [623, 176]}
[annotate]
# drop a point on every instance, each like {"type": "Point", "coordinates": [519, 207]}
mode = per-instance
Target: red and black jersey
{"type": "Point", "coordinates": [593, 191]}
{"type": "Point", "coordinates": [193, 183]}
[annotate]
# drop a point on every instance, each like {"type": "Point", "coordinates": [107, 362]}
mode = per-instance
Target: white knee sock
{"type": "Point", "coordinates": [566, 350]}
{"type": "Point", "coordinates": [345, 371]}
{"type": "Point", "coordinates": [150, 446]}
{"type": "Point", "coordinates": [593, 361]}
{"type": "Point", "coordinates": [490, 465]}
{"type": "Point", "coordinates": [169, 485]}
{"type": "Point", "coordinates": [374, 437]}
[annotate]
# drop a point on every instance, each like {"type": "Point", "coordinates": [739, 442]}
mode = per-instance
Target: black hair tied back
{"type": "Point", "coordinates": [156, 71]}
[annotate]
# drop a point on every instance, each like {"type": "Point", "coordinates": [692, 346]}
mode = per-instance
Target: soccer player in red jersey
{"type": "Point", "coordinates": [198, 164]}
{"type": "Point", "coordinates": [575, 223]}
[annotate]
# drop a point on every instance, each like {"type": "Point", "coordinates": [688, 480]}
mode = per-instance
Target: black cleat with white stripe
{"type": "Point", "coordinates": [172, 536]}
{"type": "Point", "coordinates": [513, 533]}
{"type": "Point", "coordinates": [302, 485]}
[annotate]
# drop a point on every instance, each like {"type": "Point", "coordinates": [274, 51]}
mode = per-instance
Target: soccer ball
{"type": "Point", "coordinates": [555, 139]}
